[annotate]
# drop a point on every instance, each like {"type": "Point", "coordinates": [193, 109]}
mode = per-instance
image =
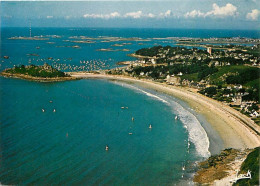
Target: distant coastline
{"type": "Point", "coordinates": [234, 129]}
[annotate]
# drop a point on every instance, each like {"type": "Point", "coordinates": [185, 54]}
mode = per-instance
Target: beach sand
{"type": "Point", "coordinates": [235, 129]}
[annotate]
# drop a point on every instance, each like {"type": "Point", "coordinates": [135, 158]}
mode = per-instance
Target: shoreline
{"type": "Point", "coordinates": [224, 126]}
{"type": "Point", "coordinates": [235, 129]}
{"type": "Point", "coordinates": [223, 123]}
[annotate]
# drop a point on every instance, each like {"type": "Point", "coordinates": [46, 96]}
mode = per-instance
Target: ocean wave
{"type": "Point", "coordinates": [196, 133]}
{"type": "Point", "coordinates": [145, 92]}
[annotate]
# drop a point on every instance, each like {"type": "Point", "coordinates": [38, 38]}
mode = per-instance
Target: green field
{"type": "Point", "coordinates": [248, 76]}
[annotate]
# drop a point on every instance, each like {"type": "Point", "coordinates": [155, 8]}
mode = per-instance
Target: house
{"type": "Point", "coordinates": [173, 80]}
{"type": "Point", "coordinates": [153, 61]}
{"type": "Point", "coordinates": [180, 74]}
{"type": "Point", "coordinates": [254, 114]}
{"type": "Point", "coordinates": [237, 99]}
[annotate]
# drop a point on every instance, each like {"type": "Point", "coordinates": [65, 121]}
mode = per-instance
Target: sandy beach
{"type": "Point", "coordinates": [235, 129]}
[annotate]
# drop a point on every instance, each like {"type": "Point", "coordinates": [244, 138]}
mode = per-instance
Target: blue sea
{"type": "Point", "coordinates": [56, 133]}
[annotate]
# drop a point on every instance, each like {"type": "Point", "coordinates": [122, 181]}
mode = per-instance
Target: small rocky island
{"type": "Point", "coordinates": [44, 73]}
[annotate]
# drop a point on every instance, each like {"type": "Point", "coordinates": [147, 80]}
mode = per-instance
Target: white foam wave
{"type": "Point", "coordinates": [196, 133]}
{"type": "Point", "coordinates": [146, 93]}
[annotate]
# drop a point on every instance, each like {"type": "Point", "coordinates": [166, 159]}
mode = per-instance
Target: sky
{"type": "Point", "coordinates": [199, 14]}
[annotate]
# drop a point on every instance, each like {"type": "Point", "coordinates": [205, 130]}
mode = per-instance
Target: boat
{"type": "Point", "coordinates": [54, 110]}
{"type": "Point", "coordinates": [122, 107]}
{"type": "Point", "coordinates": [150, 126]}
{"type": "Point", "coordinates": [43, 110]}
{"type": "Point", "coordinates": [176, 117]}
{"type": "Point", "coordinates": [130, 133]}
{"type": "Point", "coordinates": [50, 101]}
{"type": "Point", "coordinates": [106, 147]}
{"type": "Point", "coordinates": [133, 118]}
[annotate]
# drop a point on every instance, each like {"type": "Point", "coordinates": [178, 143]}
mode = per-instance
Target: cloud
{"type": "Point", "coordinates": [49, 17]}
{"type": "Point", "coordinates": [135, 15]}
{"type": "Point", "coordinates": [228, 10]}
{"type": "Point", "coordinates": [103, 16]}
{"type": "Point", "coordinates": [150, 15]}
{"type": "Point", "coordinates": [194, 13]}
{"type": "Point", "coordinates": [140, 14]}
{"type": "Point", "coordinates": [168, 13]}
{"type": "Point", "coordinates": [253, 15]}
{"type": "Point", "coordinates": [217, 11]}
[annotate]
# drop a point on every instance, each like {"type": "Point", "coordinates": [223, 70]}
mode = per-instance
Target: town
{"type": "Point", "coordinates": [229, 73]}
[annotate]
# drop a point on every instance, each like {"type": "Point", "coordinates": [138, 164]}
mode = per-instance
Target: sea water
{"type": "Point", "coordinates": [68, 146]}
{"type": "Point", "coordinates": [58, 50]}
{"type": "Point", "coordinates": [56, 133]}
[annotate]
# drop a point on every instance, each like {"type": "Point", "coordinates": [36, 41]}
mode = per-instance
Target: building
{"type": "Point", "coordinates": [173, 80]}
{"type": "Point", "coordinates": [209, 50]}
{"type": "Point", "coordinates": [153, 61]}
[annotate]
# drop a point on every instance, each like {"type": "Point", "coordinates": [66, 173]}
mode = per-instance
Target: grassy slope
{"type": "Point", "coordinates": [251, 163]}
{"type": "Point", "coordinates": [190, 77]}
{"type": "Point", "coordinates": [216, 77]}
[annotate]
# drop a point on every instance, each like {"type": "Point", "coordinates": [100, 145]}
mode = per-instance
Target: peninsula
{"type": "Point", "coordinates": [44, 73]}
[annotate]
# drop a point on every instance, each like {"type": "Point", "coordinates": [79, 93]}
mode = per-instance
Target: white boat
{"type": "Point", "coordinates": [54, 110]}
{"type": "Point", "coordinates": [150, 126]}
{"type": "Point", "coordinates": [130, 133]}
{"type": "Point", "coordinates": [176, 117]}
{"type": "Point", "coordinates": [106, 148]}
{"type": "Point", "coordinates": [43, 110]}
